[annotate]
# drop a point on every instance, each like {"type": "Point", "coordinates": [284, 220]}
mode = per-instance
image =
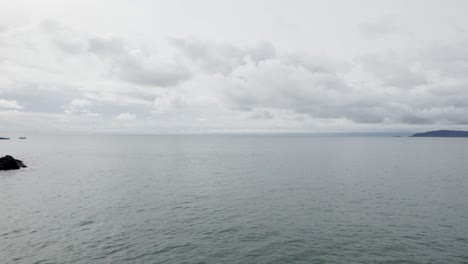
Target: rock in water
{"type": "Point", "coordinates": [10, 163]}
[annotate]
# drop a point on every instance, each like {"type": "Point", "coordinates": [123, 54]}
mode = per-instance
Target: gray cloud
{"type": "Point", "coordinates": [68, 40]}
{"type": "Point", "coordinates": [135, 69]}
{"type": "Point", "coordinates": [106, 46]}
{"type": "Point", "coordinates": [319, 89]}
{"type": "Point", "coordinates": [380, 27]}
{"type": "Point", "coordinates": [278, 84]}
{"type": "Point", "coordinates": [37, 98]}
{"type": "Point", "coordinates": [261, 114]}
{"type": "Point", "coordinates": [74, 76]}
{"type": "Point", "coordinates": [221, 57]}
{"type": "Point", "coordinates": [3, 28]}
{"type": "Point", "coordinates": [448, 59]}
{"type": "Point", "coordinates": [392, 70]}
{"type": "Point", "coordinates": [128, 64]}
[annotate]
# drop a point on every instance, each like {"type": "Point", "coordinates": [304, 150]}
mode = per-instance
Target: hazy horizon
{"type": "Point", "coordinates": [217, 133]}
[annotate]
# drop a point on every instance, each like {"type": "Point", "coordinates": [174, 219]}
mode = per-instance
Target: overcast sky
{"type": "Point", "coordinates": [233, 66]}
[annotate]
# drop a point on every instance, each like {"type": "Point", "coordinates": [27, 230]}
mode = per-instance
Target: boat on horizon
{"type": "Point", "coordinates": [22, 137]}
{"type": "Point", "coordinates": [4, 138]}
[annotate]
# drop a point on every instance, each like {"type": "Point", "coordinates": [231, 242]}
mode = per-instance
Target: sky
{"type": "Point", "coordinates": [210, 66]}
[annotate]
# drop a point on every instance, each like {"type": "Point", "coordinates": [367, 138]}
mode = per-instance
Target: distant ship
{"type": "Point", "coordinates": [4, 138]}
{"type": "Point", "coordinates": [22, 137]}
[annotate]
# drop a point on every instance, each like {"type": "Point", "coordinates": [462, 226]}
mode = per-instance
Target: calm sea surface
{"type": "Point", "coordinates": [235, 199]}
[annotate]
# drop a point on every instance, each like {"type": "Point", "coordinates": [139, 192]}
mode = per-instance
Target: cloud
{"type": "Point", "coordinates": [68, 40]}
{"type": "Point", "coordinates": [9, 104]}
{"type": "Point", "coordinates": [125, 116]}
{"type": "Point", "coordinates": [119, 59]}
{"type": "Point", "coordinates": [448, 60]}
{"type": "Point", "coordinates": [136, 68]}
{"type": "Point", "coordinates": [278, 84]}
{"type": "Point", "coordinates": [169, 101]}
{"type": "Point", "coordinates": [377, 88]}
{"type": "Point", "coordinates": [380, 27]}
{"type": "Point", "coordinates": [261, 114]}
{"type": "Point", "coordinates": [221, 58]}
{"type": "Point", "coordinates": [80, 105]}
{"type": "Point", "coordinates": [3, 28]}
{"type": "Point", "coordinates": [64, 75]}
{"type": "Point", "coordinates": [106, 46]}
{"type": "Point", "coordinates": [393, 70]}
{"type": "Point", "coordinates": [392, 90]}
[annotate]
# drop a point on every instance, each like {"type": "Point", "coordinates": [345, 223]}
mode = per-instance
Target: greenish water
{"type": "Point", "coordinates": [235, 199]}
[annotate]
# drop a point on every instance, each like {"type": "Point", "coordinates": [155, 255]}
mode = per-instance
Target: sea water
{"type": "Point", "coordinates": [235, 199]}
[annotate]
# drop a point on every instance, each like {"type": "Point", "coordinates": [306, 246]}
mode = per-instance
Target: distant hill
{"type": "Point", "coordinates": [442, 133]}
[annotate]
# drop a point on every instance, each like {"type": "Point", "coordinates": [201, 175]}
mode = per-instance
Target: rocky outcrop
{"type": "Point", "coordinates": [10, 163]}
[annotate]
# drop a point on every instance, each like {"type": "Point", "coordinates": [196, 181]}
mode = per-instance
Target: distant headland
{"type": "Point", "coordinates": [442, 133]}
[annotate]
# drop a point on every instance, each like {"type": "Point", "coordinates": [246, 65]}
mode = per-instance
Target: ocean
{"type": "Point", "coordinates": [234, 199]}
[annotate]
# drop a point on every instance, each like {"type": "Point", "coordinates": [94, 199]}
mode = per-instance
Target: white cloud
{"type": "Point", "coordinates": [80, 103]}
{"type": "Point", "coordinates": [79, 106]}
{"type": "Point", "coordinates": [9, 104]}
{"type": "Point", "coordinates": [125, 116]}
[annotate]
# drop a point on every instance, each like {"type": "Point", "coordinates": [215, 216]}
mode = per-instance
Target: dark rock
{"type": "Point", "coordinates": [442, 133]}
{"type": "Point", "coordinates": [10, 163]}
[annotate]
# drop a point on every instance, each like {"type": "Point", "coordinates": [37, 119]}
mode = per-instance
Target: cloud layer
{"type": "Point", "coordinates": [70, 78]}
